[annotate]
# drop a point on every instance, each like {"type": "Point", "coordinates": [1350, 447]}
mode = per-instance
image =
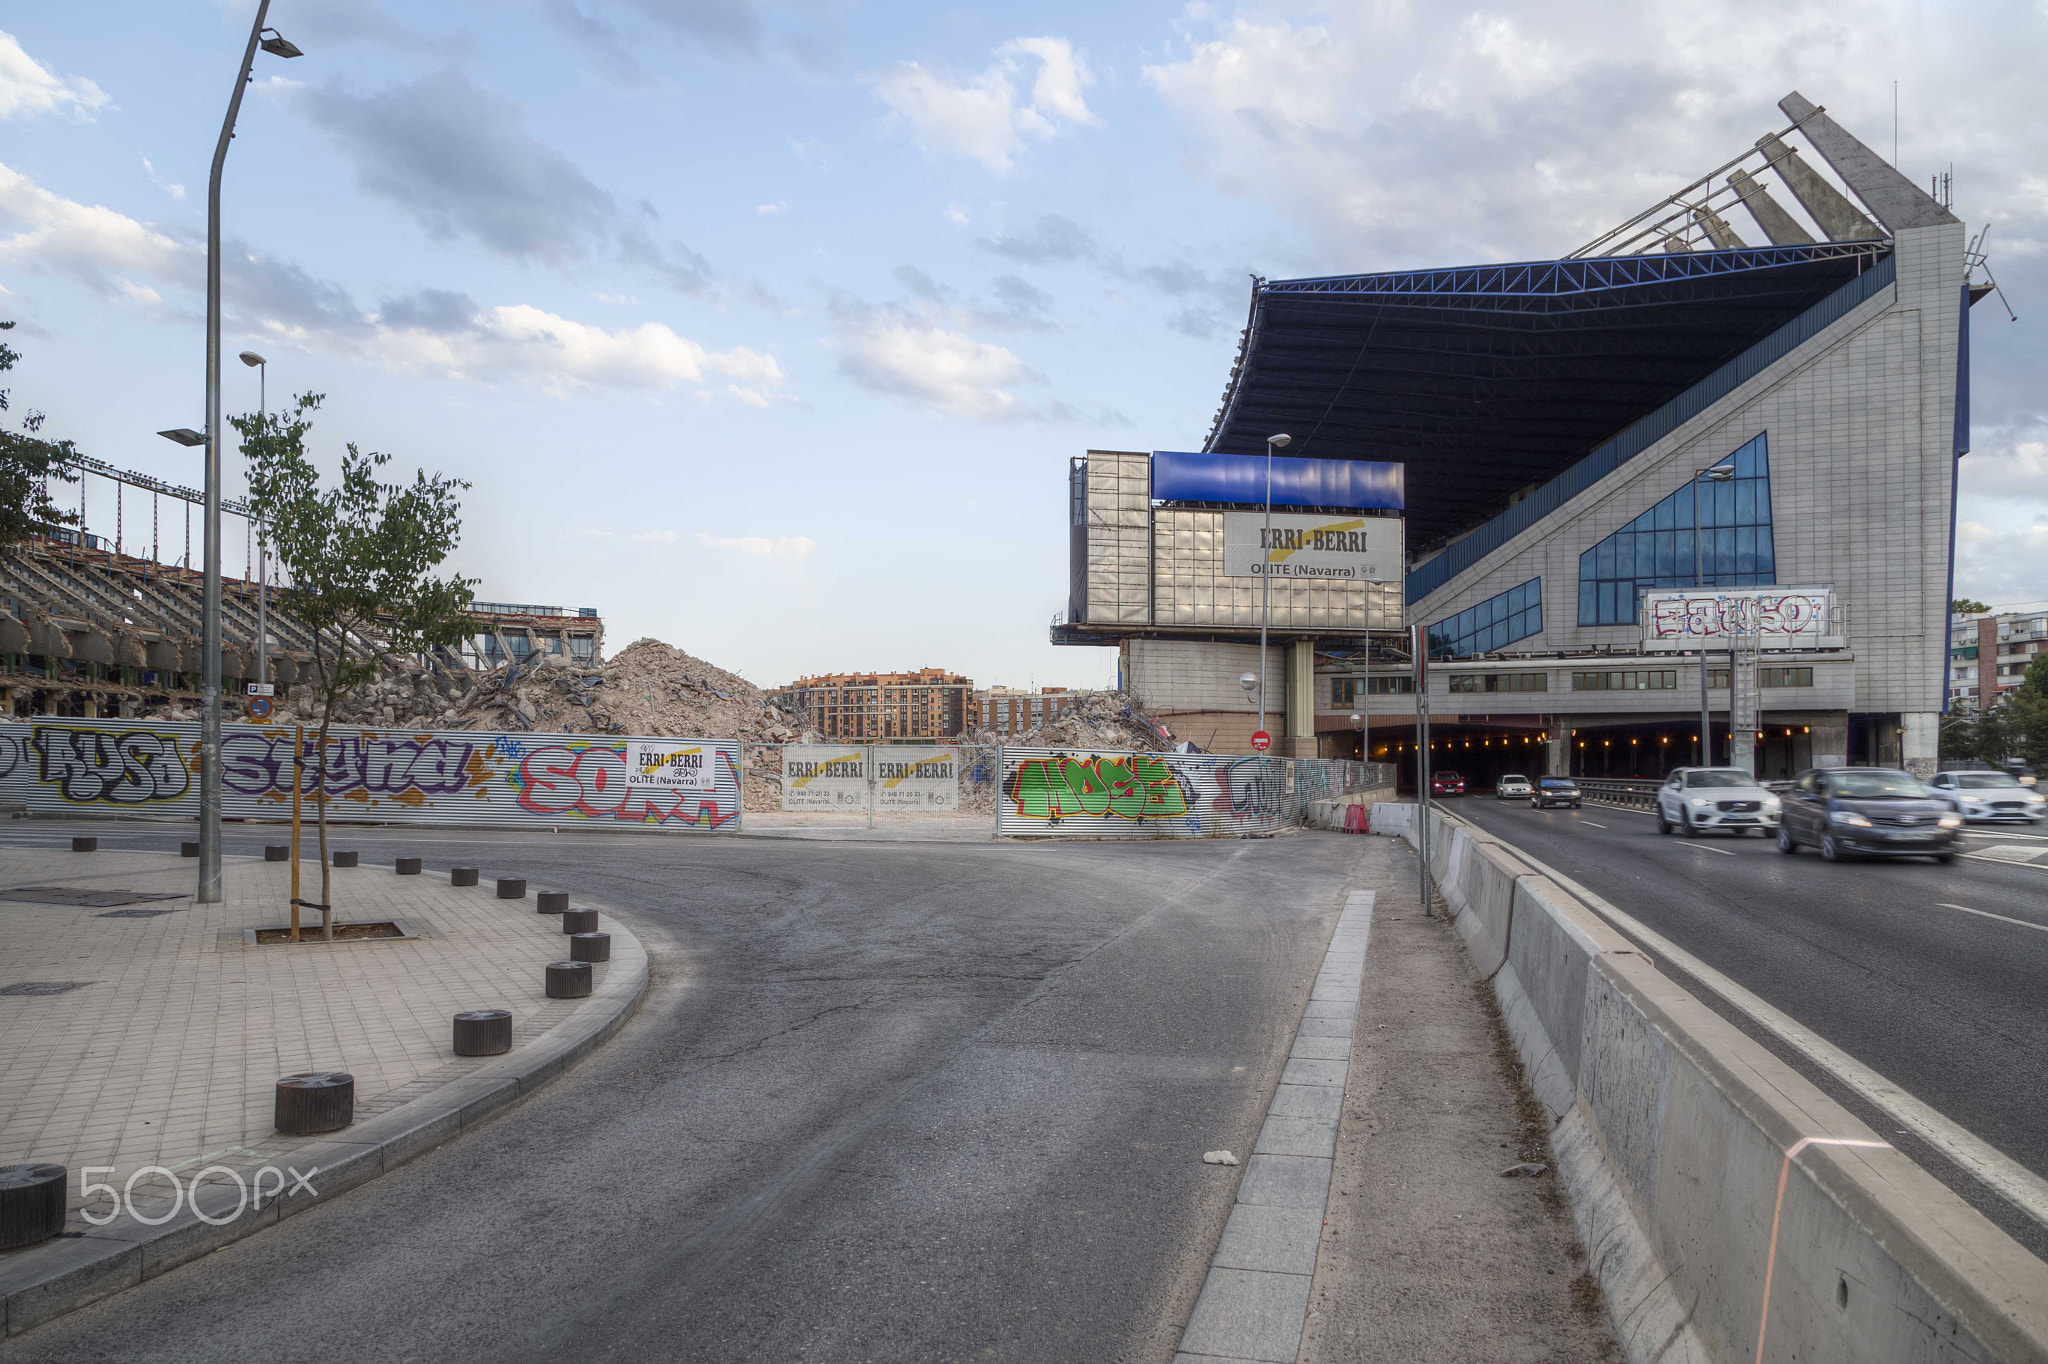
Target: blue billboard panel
{"type": "Point", "coordinates": [1178, 477]}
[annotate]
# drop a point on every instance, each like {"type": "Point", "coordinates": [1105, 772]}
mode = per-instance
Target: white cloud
{"type": "Point", "coordinates": [2002, 565]}
{"type": "Point", "coordinates": [986, 117]}
{"type": "Point", "coordinates": [794, 548]}
{"type": "Point", "coordinates": [168, 186]}
{"type": "Point", "coordinates": [666, 537]}
{"type": "Point", "coordinates": [956, 215]}
{"type": "Point", "coordinates": [895, 353]}
{"type": "Point", "coordinates": [29, 89]}
{"type": "Point", "coordinates": [779, 206]}
{"type": "Point", "coordinates": [434, 332]}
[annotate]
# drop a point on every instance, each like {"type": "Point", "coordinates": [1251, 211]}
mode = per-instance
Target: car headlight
{"type": "Point", "coordinates": [1973, 799]}
{"type": "Point", "coordinates": [1701, 800]}
{"type": "Point", "coordinates": [2035, 798]}
{"type": "Point", "coordinates": [1772, 802]}
{"type": "Point", "coordinates": [1848, 817]}
{"type": "Point", "coordinates": [1949, 821]}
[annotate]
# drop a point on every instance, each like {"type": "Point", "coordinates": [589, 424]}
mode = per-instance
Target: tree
{"type": "Point", "coordinates": [361, 557]}
{"type": "Point", "coordinates": [27, 464]}
{"type": "Point", "coordinates": [1965, 606]}
{"type": "Point", "coordinates": [2036, 681]}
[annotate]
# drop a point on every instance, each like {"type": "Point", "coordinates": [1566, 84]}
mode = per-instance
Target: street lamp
{"type": "Point", "coordinates": [209, 628]}
{"type": "Point", "coordinates": [1720, 473]}
{"type": "Point", "coordinates": [262, 368]}
{"type": "Point", "coordinates": [1279, 442]}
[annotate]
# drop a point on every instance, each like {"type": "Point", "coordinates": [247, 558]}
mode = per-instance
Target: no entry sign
{"type": "Point", "coordinates": [1261, 741]}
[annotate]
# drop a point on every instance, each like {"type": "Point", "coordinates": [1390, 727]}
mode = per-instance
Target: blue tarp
{"type": "Point", "coordinates": [1180, 477]}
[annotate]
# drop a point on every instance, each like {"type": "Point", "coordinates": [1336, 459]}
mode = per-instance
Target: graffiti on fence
{"type": "Point", "coordinates": [1076, 793]}
{"type": "Point", "coordinates": [128, 767]}
{"type": "Point", "coordinates": [1129, 786]}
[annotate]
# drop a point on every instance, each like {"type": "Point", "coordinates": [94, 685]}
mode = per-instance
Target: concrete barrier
{"type": "Point", "coordinates": [1733, 1211]}
{"type": "Point", "coordinates": [1345, 814]}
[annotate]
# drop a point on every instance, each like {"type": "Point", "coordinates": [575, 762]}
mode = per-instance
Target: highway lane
{"type": "Point", "coordinates": [884, 1101]}
{"type": "Point", "coordinates": [1886, 960]}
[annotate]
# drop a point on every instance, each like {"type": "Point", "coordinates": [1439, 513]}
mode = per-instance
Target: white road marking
{"type": "Point", "coordinates": [1997, 1171]}
{"type": "Point", "coordinates": [2007, 852]}
{"type": "Point", "coordinates": [1985, 913]}
{"type": "Point", "coordinates": [1594, 823]}
{"type": "Point", "coordinates": [2002, 861]}
{"type": "Point", "coordinates": [1701, 847]}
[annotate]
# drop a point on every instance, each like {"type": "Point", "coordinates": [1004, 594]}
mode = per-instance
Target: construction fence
{"type": "Point", "coordinates": [455, 777]}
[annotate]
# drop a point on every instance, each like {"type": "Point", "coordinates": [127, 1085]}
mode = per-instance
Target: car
{"type": "Point", "coordinates": [1557, 792]}
{"type": "Point", "coordinates": [1447, 783]}
{"type": "Point", "coordinates": [1696, 799]}
{"type": "Point", "coordinates": [1867, 812]}
{"type": "Point", "coordinates": [1512, 788]}
{"type": "Point", "coordinates": [1989, 797]}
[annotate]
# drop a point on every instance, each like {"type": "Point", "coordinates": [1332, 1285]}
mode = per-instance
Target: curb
{"type": "Point", "coordinates": [41, 1283]}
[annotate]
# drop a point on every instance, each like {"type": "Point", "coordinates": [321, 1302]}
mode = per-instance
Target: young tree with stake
{"type": "Point", "coordinates": [361, 557]}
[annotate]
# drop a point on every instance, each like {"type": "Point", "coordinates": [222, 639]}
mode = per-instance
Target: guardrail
{"type": "Point", "coordinates": [1629, 793]}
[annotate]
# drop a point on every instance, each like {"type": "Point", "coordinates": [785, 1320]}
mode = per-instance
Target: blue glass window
{"type": "Point", "coordinates": [1493, 624]}
{"type": "Point", "coordinates": [1655, 550]}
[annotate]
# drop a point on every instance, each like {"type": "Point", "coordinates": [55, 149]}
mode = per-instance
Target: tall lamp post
{"type": "Point", "coordinates": [1280, 442]}
{"type": "Point", "coordinates": [1720, 473]}
{"type": "Point", "coordinates": [262, 368]}
{"type": "Point", "coordinates": [209, 629]}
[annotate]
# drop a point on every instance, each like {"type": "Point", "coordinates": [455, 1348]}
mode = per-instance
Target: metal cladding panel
{"type": "Point", "coordinates": [1095, 793]}
{"type": "Point", "coordinates": [373, 775]}
{"type": "Point", "coordinates": [1180, 477]}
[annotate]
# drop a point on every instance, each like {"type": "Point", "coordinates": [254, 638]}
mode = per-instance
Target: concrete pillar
{"type": "Point", "coordinates": [1830, 208]}
{"type": "Point", "coordinates": [1831, 739]}
{"type": "Point", "coordinates": [1301, 699]}
{"type": "Point", "coordinates": [1920, 742]}
{"type": "Point", "coordinates": [89, 708]}
{"type": "Point", "coordinates": [1781, 227]}
{"type": "Point", "coordinates": [1558, 749]}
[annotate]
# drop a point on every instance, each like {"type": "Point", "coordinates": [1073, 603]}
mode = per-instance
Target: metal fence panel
{"type": "Point", "coordinates": [376, 776]}
{"type": "Point", "coordinates": [1092, 793]}
{"type": "Point", "coordinates": [824, 777]}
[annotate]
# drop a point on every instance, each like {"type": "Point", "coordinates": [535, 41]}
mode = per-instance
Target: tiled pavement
{"type": "Point", "coordinates": [168, 1054]}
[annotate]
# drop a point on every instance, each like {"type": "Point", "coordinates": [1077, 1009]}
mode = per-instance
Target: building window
{"type": "Point", "coordinates": [1493, 624]}
{"type": "Point", "coordinates": [1717, 678]}
{"type": "Point", "coordinates": [1390, 686]}
{"type": "Point", "coordinates": [1656, 549]}
{"type": "Point", "coordinates": [1500, 682]}
{"type": "Point", "coordinates": [1637, 679]}
{"type": "Point", "coordinates": [582, 647]}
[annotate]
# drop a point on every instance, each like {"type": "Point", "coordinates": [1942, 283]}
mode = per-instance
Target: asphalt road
{"type": "Point", "coordinates": [884, 1101]}
{"type": "Point", "coordinates": [1874, 956]}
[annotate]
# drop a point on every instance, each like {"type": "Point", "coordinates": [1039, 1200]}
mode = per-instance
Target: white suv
{"type": "Point", "coordinates": [1983, 797]}
{"type": "Point", "coordinates": [1696, 799]}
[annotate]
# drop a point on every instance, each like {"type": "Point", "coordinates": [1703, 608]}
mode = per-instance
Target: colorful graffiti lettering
{"type": "Point", "coordinates": [593, 783]}
{"type": "Point", "coordinates": [257, 765]}
{"type": "Point", "coordinates": [135, 767]}
{"type": "Point", "coordinates": [1134, 788]}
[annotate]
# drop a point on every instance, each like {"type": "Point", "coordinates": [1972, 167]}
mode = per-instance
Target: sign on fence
{"type": "Point", "coordinates": [916, 778]}
{"type": "Point", "coordinates": [824, 777]}
{"type": "Point", "coordinates": [438, 777]}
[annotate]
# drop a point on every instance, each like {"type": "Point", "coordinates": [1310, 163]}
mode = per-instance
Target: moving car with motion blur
{"type": "Point", "coordinates": [1513, 788]}
{"type": "Point", "coordinates": [1989, 797]}
{"type": "Point", "coordinates": [1447, 783]}
{"type": "Point", "coordinates": [1553, 793]}
{"type": "Point", "coordinates": [1697, 799]}
{"type": "Point", "coordinates": [1866, 812]}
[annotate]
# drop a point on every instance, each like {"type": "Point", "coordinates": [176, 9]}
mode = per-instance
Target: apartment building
{"type": "Point", "coordinates": [1989, 654]}
{"type": "Point", "coordinates": [930, 703]}
{"type": "Point", "coordinates": [1011, 711]}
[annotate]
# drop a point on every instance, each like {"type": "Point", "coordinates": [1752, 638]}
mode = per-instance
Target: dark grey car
{"type": "Point", "coordinates": [1866, 812]}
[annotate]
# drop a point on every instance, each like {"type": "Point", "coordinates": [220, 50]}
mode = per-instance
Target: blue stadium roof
{"type": "Point", "coordinates": [1489, 380]}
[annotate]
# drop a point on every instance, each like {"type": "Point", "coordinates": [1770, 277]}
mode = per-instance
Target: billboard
{"type": "Point", "coordinates": [374, 775]}
{"type": "Point", "coordinates": [824, 777]}
{"type": "Point", "coordinates": [909, 778]}
{"type": "Point", "coordinates": [1331, 548]}
{"type": "Point", "coordinates": [1777, 617]}
{"type": "Point", "coordinates": [1297, 482]}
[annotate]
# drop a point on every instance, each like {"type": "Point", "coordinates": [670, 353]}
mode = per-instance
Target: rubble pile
{"type": "Point", "coordinates": [1103, 719]}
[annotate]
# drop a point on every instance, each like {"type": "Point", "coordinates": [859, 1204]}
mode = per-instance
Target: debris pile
{"type": "Point", "coordinates": [1102, 719]}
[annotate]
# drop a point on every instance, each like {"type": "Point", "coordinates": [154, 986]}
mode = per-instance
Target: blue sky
{"type": "Point", "coordinates": [768, 329]}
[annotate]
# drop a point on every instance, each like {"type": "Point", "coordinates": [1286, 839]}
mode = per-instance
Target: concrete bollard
{"type": "Point", "coordinates": [590, 947]}
{"type": "Point", "coordinates": [188, 850]}
{"type": "Point", "coordinates": [277, 852]}
{"type": "Point", "coordinates": [314, 1101]}
{"type": "Point", "coordinates": [408, 866]}
{"type": "Point", "coordinates": [552, 901]}
{"type": "Point", "coordinates": [347, 859]}
{"type": "Point", "coordinates": [511, 888]}
{"type": "Point", "coordinates": [31, 1203]}
{"type": "Point", "coordinates": [579, 921]}
{"type": "Point", "coordinates": [568, 979]}
{"type": "Point", "coordinates": [85, 845]}
{"type": "Point", "coordinates": [483, 1032]}
{"type": "Point", "coordinates": [462, 876]}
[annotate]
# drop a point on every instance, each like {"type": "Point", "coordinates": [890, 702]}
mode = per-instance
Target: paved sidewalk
{"type": "Point", "coordinates": [166, 1050]}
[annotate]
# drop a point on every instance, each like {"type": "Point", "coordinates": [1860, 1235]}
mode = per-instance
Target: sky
{"type": "Point", "coordinates": [769, 328]}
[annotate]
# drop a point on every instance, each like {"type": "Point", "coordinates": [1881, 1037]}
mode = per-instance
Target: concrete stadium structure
{"type": "Point", "coordinates": [1553, 419]}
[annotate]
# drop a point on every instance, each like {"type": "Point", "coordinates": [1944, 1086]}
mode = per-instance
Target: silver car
{"type": "Point", "coordinates": [1989, 797]}
{"type": "Point", "coordinates": [1513, 788]}
{"type": "Point", "coordinates": [1697, 799]}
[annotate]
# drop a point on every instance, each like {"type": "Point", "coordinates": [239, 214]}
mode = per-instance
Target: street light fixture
{"type": "Point", "coordinates": [274, 43]}
{"type": "Point", "coordinates": [1720, 473]}
{"type": "Point", "coordinates": [1279, 442]}
{"type": "Point", "coordinates": [184, 435]}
